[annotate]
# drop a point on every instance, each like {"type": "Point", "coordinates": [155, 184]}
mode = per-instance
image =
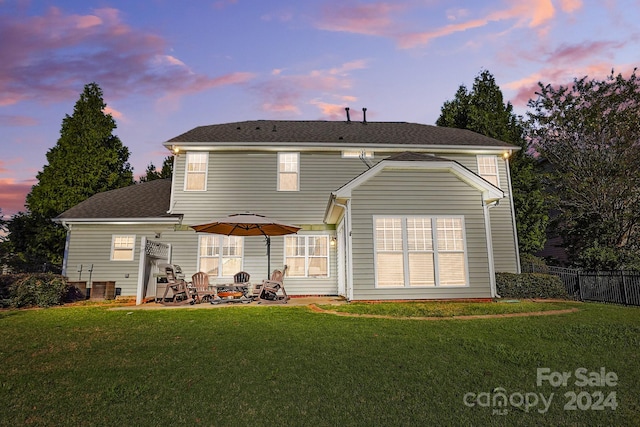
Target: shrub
{"type": "Point", "coordinates": [530, 262]}
{"type": "Point", "coordinates": [530, 285]}
{"type": "Point", "coordinates": [42, 290]}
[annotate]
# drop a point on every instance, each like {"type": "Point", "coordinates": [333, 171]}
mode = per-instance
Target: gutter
{"type": "Point", "coordinates": [66, 222]}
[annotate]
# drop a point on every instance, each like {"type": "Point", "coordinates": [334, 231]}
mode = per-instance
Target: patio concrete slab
{"type": "Point", "coordinates": [293, 301]}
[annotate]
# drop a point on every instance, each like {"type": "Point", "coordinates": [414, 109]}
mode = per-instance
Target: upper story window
{"type": "Point", "coordinates": [488, 169]}
{"type": "Point", "coordinates": [196, 172]}
{"type": "Point", "coordinates": [122, 247]}
{"type": "Point", "coordinates": [356, 154]}
{"type": "Point", "coordinates": [288, 171]}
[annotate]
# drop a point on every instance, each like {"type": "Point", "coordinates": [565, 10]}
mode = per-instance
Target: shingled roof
{"type": "Point", "coordinates": [146, 200]}
{"type": "Point", "coordinates": [336, 132]}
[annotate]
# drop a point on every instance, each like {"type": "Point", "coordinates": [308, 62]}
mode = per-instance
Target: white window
{"type": "Point", "coordinates": [288, 171]}
{"type": "Point", "coordinates": [307, 256]}
{"type": "Point", "coordinates": [488, 169]}
{"type": "Point", "coordinates": [356, 154]}
{"type": "Point", "coordinates": [420, 251]}
{"type": "Point", "coordinates": [389, 252]}
{"type": "Point", "coordinates": [122, 247]}
{"type": "Point", "coordinates": [196, 172]}
{"type": "Point", "coordinates": [220, 256]}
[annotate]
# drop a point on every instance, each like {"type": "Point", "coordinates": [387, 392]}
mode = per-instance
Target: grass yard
{"type": "Point", "coordinates": [256, 365]}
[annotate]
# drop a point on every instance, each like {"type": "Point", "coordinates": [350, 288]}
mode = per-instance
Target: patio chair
{"type": "Point", "coordinates": [180, 293]}
{"type": "Point", "coordinates": [241, 278]}
{"type": "Point", "coordinates": [272, 290]}
{"type": "Point", "coordinates": [199, 288]}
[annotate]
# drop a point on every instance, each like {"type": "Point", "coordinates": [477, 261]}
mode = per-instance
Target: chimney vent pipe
{"type": "Point", "coordinates": [348, 117]}
{"type": "Point", "coordinates": [364, 116]}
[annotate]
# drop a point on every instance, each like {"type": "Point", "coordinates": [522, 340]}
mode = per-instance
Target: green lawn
{"type": "Point", "coordinates": [256, 365]}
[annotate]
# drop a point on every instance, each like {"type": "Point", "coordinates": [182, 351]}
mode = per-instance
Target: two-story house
{"type": "Point", "coordinates": [387, 210]}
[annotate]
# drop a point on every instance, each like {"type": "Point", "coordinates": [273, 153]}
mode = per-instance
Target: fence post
{"type": "Point", "coordinates": [624, 288]}
{"type": "Point", "coordinates": [580, 287]}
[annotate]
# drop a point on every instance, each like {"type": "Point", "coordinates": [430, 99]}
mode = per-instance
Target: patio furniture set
{"type": "Point", "coordinates": [199, 290]}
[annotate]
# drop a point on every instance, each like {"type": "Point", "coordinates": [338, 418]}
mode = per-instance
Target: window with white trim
{"type": "Point", "coordinates": [220, 256]}
{"type": "Point", "coordinates": [196, 172]}
{"type": "Point", "coordinates": [488, 169]}
{"type": "Point", "coordinates": [307, 256]}
{"type": "Point", "coordinates": [420, 251]}
{"type": "Point", "coordinates": [122, 247]}
{"type": "Point", "coordinates": [288, 171]}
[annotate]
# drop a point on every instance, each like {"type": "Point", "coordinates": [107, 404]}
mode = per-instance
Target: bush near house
{"type": "Point", "coordinates": [33, 290]}
{"type": "Point", "coordinates": [530, 285]}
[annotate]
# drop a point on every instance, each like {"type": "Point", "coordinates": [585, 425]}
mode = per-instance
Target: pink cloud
{"type": "Point", "coordinates": [17, 121]}
{"type": "Point", "coordinates": [379, 19]}
{"type": "Point", "coordinates": [330, 111]}
{"type": "Point", "coordinates": [52, 56]}
{"type": "Point", "coordinates": [282, 93]}
{"type": "Point", "coordinates": [570, 5]}
{"type": "Point", "coordinates": [114, 113]}
{"type": "Point", "coordinates": [13, 194]}
{"type": "Point", "coordinates": [525, 88]}
{"type": "Point", "coordinates": [222, 4]}
{"type": "Point", "coordinates": [575, 53]}
{"type": "Point", "coordinates": [370, 19]}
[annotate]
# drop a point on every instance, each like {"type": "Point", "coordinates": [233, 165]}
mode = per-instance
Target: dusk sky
{"type": "Point", "coordinates": [166, 66]}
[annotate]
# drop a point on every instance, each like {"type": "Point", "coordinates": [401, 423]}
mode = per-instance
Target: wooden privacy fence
{"type": "Point", "coordinates": [618, 287]}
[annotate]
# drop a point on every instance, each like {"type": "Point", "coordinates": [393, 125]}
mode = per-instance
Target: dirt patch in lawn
{"type": "Point", "coordinates": [317, 309]}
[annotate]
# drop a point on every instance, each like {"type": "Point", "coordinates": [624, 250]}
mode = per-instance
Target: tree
{"type": "Point", "coordinates": [589, 132]}
{"type": "Point", "coordinates": [86, 160]}
{"type": "Point", "coordinates": [484, 111]}
{"type": "Point", "coordinates": [153, 173]}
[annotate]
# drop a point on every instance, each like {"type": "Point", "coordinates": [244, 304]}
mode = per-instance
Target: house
{"type": "Point", "coordinates": [387, 210]}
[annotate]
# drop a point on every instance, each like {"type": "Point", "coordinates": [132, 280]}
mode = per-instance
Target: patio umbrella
{"type": "Point", "coordinates": [248, 224]}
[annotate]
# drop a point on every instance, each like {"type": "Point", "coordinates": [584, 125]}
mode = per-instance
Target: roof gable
{"type": "Point", "coordinates": [409, 160]}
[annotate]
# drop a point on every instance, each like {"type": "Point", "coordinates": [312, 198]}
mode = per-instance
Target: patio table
{"type": "Point", "coordinates": [232, 292]}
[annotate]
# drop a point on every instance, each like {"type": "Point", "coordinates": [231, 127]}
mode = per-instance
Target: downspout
{"type": "Point", "coordinates": [513, 216]}
{"type": "Point", "coordinates": [348, 249]}
{"type": "Point", "coordinates": [173, 182]}
{"type": "Point", "coordinates": [65, 256]}
{"type": "Point", "coordinates": [489, 239]}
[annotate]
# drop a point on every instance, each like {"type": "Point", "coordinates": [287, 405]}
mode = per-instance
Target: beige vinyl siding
{"type": "Point", "coordinates": [247, 181]}
{"type": "Point", "coordinates": [502, 231]}
{"type": "Point", "coordinates": [91, 244]}
{"type": "Point", "coordinates": [417, 192]}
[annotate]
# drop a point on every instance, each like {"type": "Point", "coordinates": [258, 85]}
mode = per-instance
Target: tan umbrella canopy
{"type": "Point", "coordinates": [248, 224]}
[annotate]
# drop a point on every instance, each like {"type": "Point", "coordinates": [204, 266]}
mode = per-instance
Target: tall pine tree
{"type": "Point", "coordinates": [86, 160]}
{"type": "Point", "coordinates": [483, 110]}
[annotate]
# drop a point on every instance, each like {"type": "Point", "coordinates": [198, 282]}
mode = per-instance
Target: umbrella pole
{"type": "Point", "coordinates": [268, 257]}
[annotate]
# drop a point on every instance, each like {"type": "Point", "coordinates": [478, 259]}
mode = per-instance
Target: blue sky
{"type": "Point", "coordinates": [166, 66]}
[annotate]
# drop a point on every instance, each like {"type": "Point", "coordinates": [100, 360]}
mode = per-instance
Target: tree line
{"type": "Point", "coordinates": [87, 159]}
{"type": "Point", "coordinates": [574, 177]}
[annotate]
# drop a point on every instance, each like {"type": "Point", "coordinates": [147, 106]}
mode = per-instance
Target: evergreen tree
{"type": "Point", "coordinates": [86, 160]}
{"type": "Point", "coordinates": [483, 110]}
{"type": "Point", "coordinates": [153, 173]}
